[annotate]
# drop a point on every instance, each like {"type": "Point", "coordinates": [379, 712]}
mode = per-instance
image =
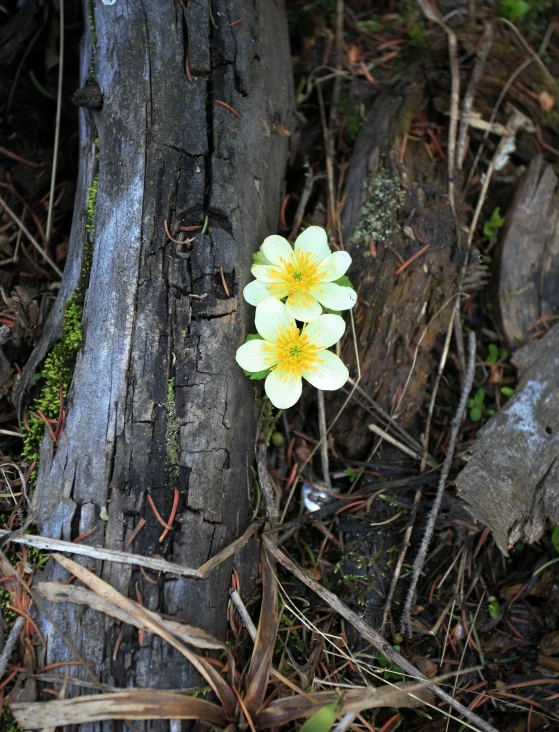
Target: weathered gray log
{"type": "Point", "coordinates": [395, 206]}
{"type": "Point", "coordinates": [156, 311]}
{"type": "Point", "coordinates": [511, 481]}
{"type": "Point", "coordinates": [529, 255]}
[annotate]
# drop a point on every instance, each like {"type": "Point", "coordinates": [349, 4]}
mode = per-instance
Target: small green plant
{"type": "Point", "coordinates": [514, 10]}
{"type": "Point", "coordinates": [555, 538]}
{"type": "Point", "coordinates": [494, 354]}
{"type": "Point", "coordinates": [477, 406]}
{"type": "Point", "coordinates": [323, 720]}
{"type": "Point", "coordinates": [416, 37]}
{"type": "Point", "coordinates": [7, 721]}
{"type": "Point", "coordinates": [507, 391]}
{"type": "Point", "coordinates": [493, 606]}
{"type": "Point", "coordinates": [493, 224]}
{"type": "Point", "coordinates": [392, 672]}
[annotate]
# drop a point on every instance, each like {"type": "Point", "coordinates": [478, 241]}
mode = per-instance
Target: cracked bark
{"type": "Point", "coordinates": [166, 151]}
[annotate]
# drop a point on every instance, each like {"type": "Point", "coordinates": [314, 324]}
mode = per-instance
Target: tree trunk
{"type": "Point", "coordinates": [155, 311]}
{"type": "Point", "coordinates": [397, 203]}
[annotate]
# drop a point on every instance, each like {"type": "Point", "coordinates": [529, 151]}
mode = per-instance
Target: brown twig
{"type": "Point", "coordinates": [227, 106]}
{"type": "Point", "coordinates": [175, 241]}
{"type": "Point", "coordinates": [409, 261]}
{"type": "Point", "coordinates": [429, 529]}
{"type": "Point", "coordinates": [369, 633]}
{"type": "Point", "coordinates": [469, 96]}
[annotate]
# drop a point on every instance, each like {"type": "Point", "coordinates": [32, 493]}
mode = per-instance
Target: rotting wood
{"type": "Point", "coordinates": [511, 481]}
{"type": "Point", "coordinates": [529, 255]}
{"type": "Point", "coordinates": [396, 208]}
{"type": "Point", "coordinates": [166, 151]}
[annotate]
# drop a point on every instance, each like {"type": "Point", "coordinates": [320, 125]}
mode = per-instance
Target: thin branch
{"type": "Point", "coordinates": [10, 644]}
{"type": "Point", "coordinates": [427, 536]}
{"type": "Point", "coordinates": [370, 634]}
{"type": "Point", "coordinates": [57, 125]}
{"type": "Point", "coordinates": [98, 552]}
{"type": "Point", "coordinates": [323, 439]}
{"type": "Point", "coordinates": [30, 236]}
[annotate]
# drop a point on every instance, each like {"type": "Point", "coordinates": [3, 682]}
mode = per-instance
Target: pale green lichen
{"type": "Point", "coordinates": [377, 220]}
{"type": "Point", "coordinates": [172, 436]}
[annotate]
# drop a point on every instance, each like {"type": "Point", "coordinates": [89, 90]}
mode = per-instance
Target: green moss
{"type": "Point", "coordinates": [8, 616]}
{"type": "Point", "coordinates": [58, 368]}
{"type": "Point", "coordinates": [268, 416]}
{"type": "Point", "coordinates": [8, 722]}
{"type": "Point", "coordinates": [91, 22]}
{"type": "Point", "coordinates": [172, 436]}
{"type": "Point", "coordinates": [378, 214]}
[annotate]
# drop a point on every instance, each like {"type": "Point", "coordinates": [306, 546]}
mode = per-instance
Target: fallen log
{"type": "Point", "coordinates": [159, 420]}
{"type": "Point", "coordinates": [511, 481]}
{"type": "Point", "coordinates": [401, 232]}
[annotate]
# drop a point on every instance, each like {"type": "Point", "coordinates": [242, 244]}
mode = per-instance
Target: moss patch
{"type": "Point", "coordinates": [59, 365]}
{"type": "Point", "coordinates": [172, 436]}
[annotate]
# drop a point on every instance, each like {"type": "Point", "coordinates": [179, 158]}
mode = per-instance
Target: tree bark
{"type": "Point", "coordinates": [155, 311]}
{"type": "Point", "coordinates": [397, 203]}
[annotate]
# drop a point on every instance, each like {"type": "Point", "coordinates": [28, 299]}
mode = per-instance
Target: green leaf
{"type": "Point", "coordinates": [475, 414]}
{"type": "Point", "coordinates": [507, 391]}
{"type": "Point", "coordinates": [493, 353]}
{"type": "Point", "coordinates": [470, 403]}
{"type": "Point", "coordinates": [490, 412]}
{"type": "Point", "coordinates": [493, 607]}
{"type": "Point", "coordinates": [256, 375]}
{"type": "Point", "coordinates": [480, 396]}
{"type": "Point", "coordinates": [253, 337]}
{"type": "Point", "coordinates": [555, 538]}
{"type": "Point", "coordinates": [514, 10]}
{"type": "Point", "coordinates": [344, 281]}
{"type": "Point", "coordinates": [323, 720]}
{"type": "Point", "coordinates": [493, 224]}
{"type": "Point", "coordinates": [327, 311]}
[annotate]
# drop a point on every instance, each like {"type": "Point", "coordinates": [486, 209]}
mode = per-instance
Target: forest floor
{"type": "Point", "coordinates": [488, 620]}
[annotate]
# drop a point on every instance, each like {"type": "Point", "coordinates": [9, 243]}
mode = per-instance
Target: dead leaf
{"type": "Point", "coordinates": [60, 592]}
{"type": "Point", "coordinates": [547, 101]}
{"type": "Point", "coordinates": [261, 661]}
{"type": "Point", "coordinates": [131, 704]}
{"type": "Point", "coordinates": [102, 588]}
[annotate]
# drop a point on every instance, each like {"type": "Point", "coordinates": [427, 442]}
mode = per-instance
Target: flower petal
{"type": "Point", "coordinates": [283, 392]}
{"type": "Point", "coordinates": [276, 248]}
{"type": "Point", "coordinates": [303, 307]}
{"type": "Point", "coordinates": [251, 356]}
{"type": "Point", "coordinates": [328, 375]}
{"type": "Point", "coordinates": [313, 240]}
{"type": "Point", "coordinates": [337, 264]}
{"type": "Point", "coordinates": [263, 273]}
{"type": "Point", "coordinates": [271, 315]}
{"type": "Point", "coordinates": [335, 297]}
{"type": "Point", "coordinates": [255, 292]}
{"type": "Point", "coordinates": [325, 331]}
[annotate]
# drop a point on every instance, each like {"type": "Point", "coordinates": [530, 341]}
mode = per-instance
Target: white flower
{"type": "Point", "coordinates": [291, 353]}
{"type": "Point", "coordinates": [306, 275]}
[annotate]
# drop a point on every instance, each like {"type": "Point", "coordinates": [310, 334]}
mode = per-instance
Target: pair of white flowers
{"type": "Point", "coordinates": [295, 284]}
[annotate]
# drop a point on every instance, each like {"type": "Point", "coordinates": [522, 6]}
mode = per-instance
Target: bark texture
{"type": "Point", "coordinates": [157, 311]}
{"type": "Point", "coordinates": [529, 258]}
{"type": "Point", "coordinates": [397, 203]}
{"type": "Point", "coordinates": [511, 481]}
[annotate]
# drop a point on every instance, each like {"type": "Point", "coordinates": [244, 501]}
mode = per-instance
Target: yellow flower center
{"type": "Point", "coordinates": [299, 274]}
{"type": "Point", "coordinates": [293, 352]}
